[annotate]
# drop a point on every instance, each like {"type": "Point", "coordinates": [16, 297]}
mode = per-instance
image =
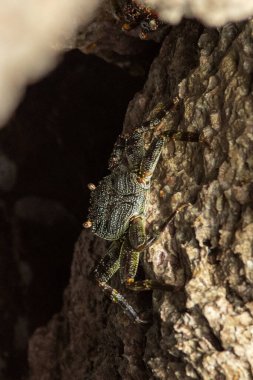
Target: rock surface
{"type": "Point", "coordinates": [202, 330]}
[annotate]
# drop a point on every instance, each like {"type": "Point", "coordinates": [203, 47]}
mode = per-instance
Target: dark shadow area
{"type": "Point", "coordinates": [59, 139]}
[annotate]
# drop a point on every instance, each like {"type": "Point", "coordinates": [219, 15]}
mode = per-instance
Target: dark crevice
{"type": "Point", "coordinates": [58, 140]}
{"type": "Point", "coordinates": [210, 335]}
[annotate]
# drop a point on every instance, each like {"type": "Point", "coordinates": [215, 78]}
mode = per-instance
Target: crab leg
{"type": "Point", "coordinates": [181, 136]}
{"type": "Point", "coordinates": [131, 248]}
{"type": "Point", "coordinates": [150, 160]}
{"type": "Point", "coordinates": [159, 117]}
{"type": "Point", "coordinates": [116, 297]}
{"type": "Point", "coordinates": [130, 258]}
{"type": "Point", "coordinates": [130, 251]}
{"type": "Point", "coordinates": [134, 244]}
{"type": "Point", "coordinates": [129, 261]}
{"type": "Point", "coordinates": [109, 264]}
{"type": "Point", "coordinates": [155, 235]}
{"type": "Point", "coordinates": [103, 272]}
{"type": "Point", "coordinates": [152, 155]}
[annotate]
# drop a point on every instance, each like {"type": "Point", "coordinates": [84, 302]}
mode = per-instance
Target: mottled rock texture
{"type": "Point", "coordinates": [204, 329]}
{"type": "Point", "coordinates": [104, 37]}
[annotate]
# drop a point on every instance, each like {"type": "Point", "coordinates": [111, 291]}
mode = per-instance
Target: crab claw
{"type": "Point", "coordinates": [87, 224]}
{"type": "Point", "coordinates": [91, 186]}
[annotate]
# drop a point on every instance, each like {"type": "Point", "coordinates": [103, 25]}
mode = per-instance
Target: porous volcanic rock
{"type": "Point", "coordinates": [204, 328]}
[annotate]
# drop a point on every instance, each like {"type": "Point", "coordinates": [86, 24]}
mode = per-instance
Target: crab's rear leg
{"type": "Point", "coordinates": [129, 262]}
{"type": "Point", "coordinates": [136, 242]}
{"type": "Point", "coordinates": [103, 272]}
{"type": "Point", "coordinates": [124, 254]}
{"type": "Point", "coordinates": [109, 264]}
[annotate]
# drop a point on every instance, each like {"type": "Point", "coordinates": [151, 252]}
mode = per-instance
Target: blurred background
{"type": "Point", "coordinates": [58, 139]}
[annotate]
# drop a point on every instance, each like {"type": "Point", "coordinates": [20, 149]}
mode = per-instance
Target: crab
{"type": "Point", "coordinates": [118, 208]}
{"type": "Point", "coordinates": [134, 15]}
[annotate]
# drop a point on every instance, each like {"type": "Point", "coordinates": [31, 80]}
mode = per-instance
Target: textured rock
{"type": "Point", "coordinates": [104, 37]}
{"type": "Point", "coordinates": [203, 329]}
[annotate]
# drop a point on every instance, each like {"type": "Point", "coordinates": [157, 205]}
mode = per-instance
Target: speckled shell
{"type": "Point", "coordinates": [117, 198]}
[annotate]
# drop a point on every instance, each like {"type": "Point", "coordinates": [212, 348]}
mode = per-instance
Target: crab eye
{"type": "Point", "coordinates": [87, 224]}
{"type": "Point", "coordinates": [91, 186]}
